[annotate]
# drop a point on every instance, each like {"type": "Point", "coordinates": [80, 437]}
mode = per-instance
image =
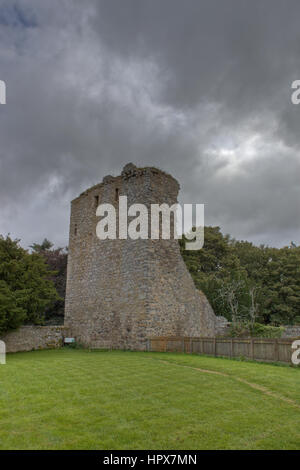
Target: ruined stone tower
{"type": "Point", "coordinates": [121, 292]}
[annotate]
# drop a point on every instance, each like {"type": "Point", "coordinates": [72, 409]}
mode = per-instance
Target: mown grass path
{"type": "Point", "coordinates": [76, 399]}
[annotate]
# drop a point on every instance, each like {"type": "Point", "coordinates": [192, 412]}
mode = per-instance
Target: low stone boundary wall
{"type": "Point", "coordinates": [27, 338]}
{"type": "Point", "coordinates": [222, 326]}
{"type": "Point", "coordinates": [291, 331]}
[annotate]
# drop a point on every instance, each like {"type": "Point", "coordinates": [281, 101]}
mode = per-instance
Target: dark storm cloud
{"type": "Point", "coordinates": [235, 51]}
{"type": "Point", "coordinates": [198, 88]}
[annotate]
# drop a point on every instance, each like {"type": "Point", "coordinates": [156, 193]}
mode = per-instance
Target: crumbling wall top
{"type": "Point", "coordinates": [129, 171]}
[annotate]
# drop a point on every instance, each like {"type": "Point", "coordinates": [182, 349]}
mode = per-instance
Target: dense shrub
{"type": "Point", "coordinates": [256, 330]}
{"type": "Point", "coordinates": [247, 283]}
{"type": "Point", "coordinates": [56, 259]}
{"type": "Point", "coordinates": [25, 288]}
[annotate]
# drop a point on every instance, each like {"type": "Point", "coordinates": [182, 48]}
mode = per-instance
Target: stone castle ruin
{"type": "Point", "coordinates": [121, 292]}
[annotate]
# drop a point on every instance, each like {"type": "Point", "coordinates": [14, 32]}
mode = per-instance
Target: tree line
{"type": "Point", "coordinates": [32, 284]}
{"type": "Point", "coordinates": [247, 284]}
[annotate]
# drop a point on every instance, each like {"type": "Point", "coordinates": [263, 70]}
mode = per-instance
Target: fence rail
{"type": "Point", "coordinates": [260, 349]}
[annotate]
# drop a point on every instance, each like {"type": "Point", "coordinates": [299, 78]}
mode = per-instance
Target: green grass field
{"type": "Point", "coordinates": [76, 399]}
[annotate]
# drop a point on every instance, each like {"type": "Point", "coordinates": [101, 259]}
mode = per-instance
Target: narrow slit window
{"type": "Point", "coordinates": [117, 194]}
{"type": "Point", "coordinates": [75, 230]}
{"type": "Point", "coordinates": [96, 201]}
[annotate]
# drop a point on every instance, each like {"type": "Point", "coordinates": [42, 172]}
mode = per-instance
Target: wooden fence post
{"type": "Point", "coordinates": [252, 349]}
{"type": "Point", "coordinates": [276, 350]}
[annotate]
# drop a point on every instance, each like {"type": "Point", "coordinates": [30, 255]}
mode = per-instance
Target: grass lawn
{"type": "Point", "coordinates": [76, 399]}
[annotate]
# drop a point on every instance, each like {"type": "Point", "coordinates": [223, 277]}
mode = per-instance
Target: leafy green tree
{"type": "Point", "coordinates": [276, 273]}
{"type": "Point", "coordinates": [56, 259]}
{"type": "Point", "coordinates": [25, 288]}
{"type": "Point", "coordinates": [281, 286]}
{"type": "Point", "coordinates": [215, 269]}
{"type": "Point", "coordinates": [46, 245]}
{"type": "Point", "coordinates": [12, 314]}
{"type": "Point", "coordinates": [248, 282]}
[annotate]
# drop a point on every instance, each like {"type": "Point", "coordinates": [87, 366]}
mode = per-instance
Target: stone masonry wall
{"type": "Point", "coordinates": [27, 338]}
{"type": "Point", "coordinates": [121, 292]}
{"type": "Point", "coordinates": [222, 326]}
{"type": "Point", "coordinates": [291, 331]}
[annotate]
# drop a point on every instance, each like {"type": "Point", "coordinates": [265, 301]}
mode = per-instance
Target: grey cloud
{"type": "Point", "coordinates": [198, 88]}
{"type": "Point", "coordinates": [233, 51]}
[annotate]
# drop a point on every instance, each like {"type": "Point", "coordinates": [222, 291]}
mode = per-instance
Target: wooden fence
{"type": "Point", "coordinates": [260, 349]}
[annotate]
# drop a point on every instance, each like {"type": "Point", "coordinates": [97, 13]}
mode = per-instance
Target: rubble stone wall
{"type": "Point", "coordinates": [27, 338]}
{"type": "Point", "coordinates": [121, 292]}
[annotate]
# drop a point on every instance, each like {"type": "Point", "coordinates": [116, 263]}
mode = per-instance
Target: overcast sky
{"type": "Point", "coordinates": [199, 88]}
